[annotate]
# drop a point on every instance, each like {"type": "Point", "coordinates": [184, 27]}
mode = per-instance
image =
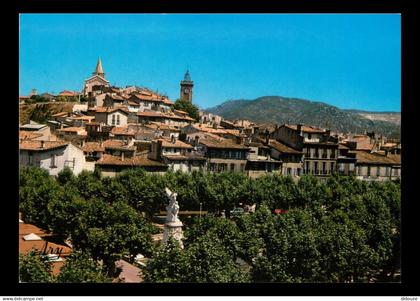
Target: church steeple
{"type": "Point", "coordinates": [99, 70]}
{"type": "Point", "coordinates": [186, 87]}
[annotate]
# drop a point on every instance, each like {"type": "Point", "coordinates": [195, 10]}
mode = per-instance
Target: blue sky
{"type": "Point", "coordinates": [350, 61]}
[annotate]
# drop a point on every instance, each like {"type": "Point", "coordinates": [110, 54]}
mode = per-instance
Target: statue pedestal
{"type": "Point", "coordinates": [173, 229]}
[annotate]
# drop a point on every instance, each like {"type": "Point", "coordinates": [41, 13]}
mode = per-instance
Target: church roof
{"type": "Point", "coordinates": [95, 76]}
{"type": "Point", "coordinates": [187, 76]}
{"type": "Point", "coordinates": [99, 69]}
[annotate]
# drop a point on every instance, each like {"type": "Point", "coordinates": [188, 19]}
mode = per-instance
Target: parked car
{"type": "Point", "coordinates": [280, 211]}
{"type": "Point", "coordinates": [236, 211]}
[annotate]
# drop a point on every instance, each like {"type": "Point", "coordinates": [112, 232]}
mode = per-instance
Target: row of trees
{"type": "Point", "coordinates": [303, 245]}
{"type": "Point", "coordinates": [104, 227]}
{"type": "Point", "coordinates": [339, 230]}
{"type": "Point", "coordinates": [41, 99]}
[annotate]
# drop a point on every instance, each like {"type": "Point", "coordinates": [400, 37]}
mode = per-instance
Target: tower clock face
{"type": "Point", "coordinates": [186, 90]}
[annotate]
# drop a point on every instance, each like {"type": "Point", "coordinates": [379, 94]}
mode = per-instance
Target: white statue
{"type": "Point", "coordinates": [173, 208]}
{"type": "Point", "coordinates": [173, 226]}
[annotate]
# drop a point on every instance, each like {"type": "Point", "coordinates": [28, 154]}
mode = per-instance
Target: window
{"type": "Point", "coordinates": [307, 167]}
{"type": "Point", "coordinates": [232, 167]}
{"type": "Point", "coordinates": [316, 167]}
{"type": "Point", "coordinates": [368, 171]}
{"type": "Point", "coordinates": [387, 173]}
{"type": "Point", "coordinates": [289, 171]}
{"type": "Point", "coordinates": [316, 153]}
{"type": "Point", "coordinates": [298, 171]}
{"type": "Point", "coordinates": [118, 119]}
{"type": "Point", "coordinates": [309, 136]}
{"type": "Point", "coordinates": [378, 171]}
{"type": "Point", "coordinates": [53, 161]}
{"type": "Point", "coordinates": [113, 119]}
{"type": "Point", "coordinates": [242, 166]}
{"type": "Point", "coordinates": [30, 159]}
{"type": "Point", "coordinates": [396, 172]}
{"type": "Point", "coordinates": [332, 154]}
{"type": "Point", "coordinates": [324, 167]}
{"type": "Point", "coordinates": [332, 167]}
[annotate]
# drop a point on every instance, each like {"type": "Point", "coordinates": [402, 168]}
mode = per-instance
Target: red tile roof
{"type": "Point", "coordinates": [163, 115]}
{"type": "Point", "coordinates": [27, 135]}
{"type": "Point", "coordinates": [89, 118]}
{"type": "Point", "coordinates": [113, 109]}
{"type": "Point", "coordinates": [282, 147]}
{"type": "Point", "coordinates": [90, 147]}
{"type": "Point", "coordinates": [122, 130]}
{"type": "Point", "coordinates": [162, 126]}
{"type": "Point", "coordinates": [117, 144]}
{"type": "Point", "coordinates": [25, 229]}
{"type": "Point", "coordinates": [177, 144]}
{"type": "Point", "coordinates": [306, 128]}
{"type": "Point", "coordinates": [372, 158]}
{"type": "Point", "coordinates": [41, 246]}
{"type": "Point", "coordinates": [73, 129]}
{"type": "Point", "coordinates": [140, 160]}
{"type": "Point", "coordinates": [228, 144]}
{"type": "Point", "coordinates": [36, 145]}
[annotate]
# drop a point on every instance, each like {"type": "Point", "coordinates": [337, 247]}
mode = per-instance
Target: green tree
{"type": "Point", "coordinates": [66, 175]}
{"type": "Point", "coordinates": [33, 269]}
{"type": "Point", "coordinates": [224, 229]}
{"type": "Point", "coordinates": [186, 106]}
{"type": "Point", "coordinates": [209, 261]}
{"type": "Point", "coordinates": [144, 192]}
{"type": "Point", "coordinates": [110, 231]}
{"type": "Point", "coordinates": [168, 264]}
{"type": "Point", "coordinates": [80, 267]}
{"type": "Point", "coordinates": [37, 189]}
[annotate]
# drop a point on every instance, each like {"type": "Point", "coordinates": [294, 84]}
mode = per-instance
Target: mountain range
{"type": "Point", "coordinates": [279, 110]}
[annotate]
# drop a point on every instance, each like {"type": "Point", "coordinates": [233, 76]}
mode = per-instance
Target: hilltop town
{"type": "Point", "coordinates": [113, 129]}
{"type": "Point", "coordinates": [97, 173]}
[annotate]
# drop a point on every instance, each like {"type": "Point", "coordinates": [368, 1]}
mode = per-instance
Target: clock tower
{"type": "Point", "coordinates": [186, 88]}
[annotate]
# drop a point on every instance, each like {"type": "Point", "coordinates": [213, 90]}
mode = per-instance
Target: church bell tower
{"type": "Point", "coordinates": [186, 87]}
{"type": "Point", "coordinates": [99, 70]}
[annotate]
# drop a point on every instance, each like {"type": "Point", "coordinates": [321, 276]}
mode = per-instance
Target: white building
{"type": "Point", "coordinates": [53, 156]}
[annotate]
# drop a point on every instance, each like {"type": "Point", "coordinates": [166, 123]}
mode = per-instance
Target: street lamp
{"type": "Point", "coordinates": [200, 210]}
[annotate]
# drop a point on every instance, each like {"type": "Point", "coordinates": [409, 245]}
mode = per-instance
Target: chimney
{"type": "Point", "coordinates": [173, 139]}
{"type": "Point", "coordinates": [82, 144]}
{"type": "Point", "coordinates": [299, 129]}
{"type": "Point", "coordinates": [158, 150]}
{"type": "Point", "coordinates": [267, 136]}
{"type": "Point", "coordinates": [122, 156]}
{"type": "Point", "coordinates": [42, 143]}
{"type": "Point", "coordinates": [386, 153]}
{"type": "Point", "coordinates": [196, 140]}
{"type": "Point", "coordinates": [100, 143]}
{"type": "Point", "coordinates": [240, 140]}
